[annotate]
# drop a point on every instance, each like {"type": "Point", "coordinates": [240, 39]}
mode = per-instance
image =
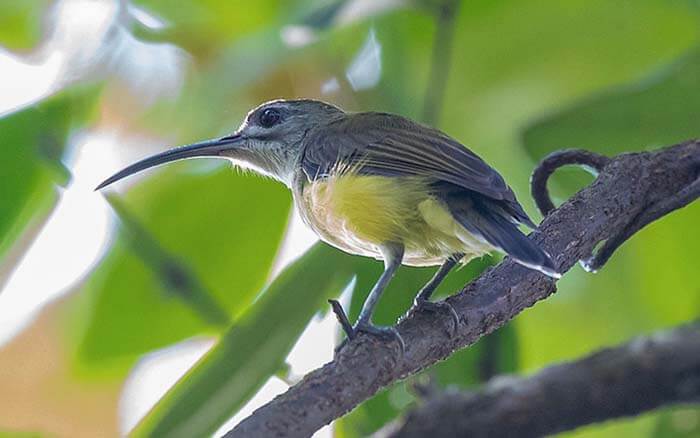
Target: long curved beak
{"type": "Point", "coordinates": [210, 148]}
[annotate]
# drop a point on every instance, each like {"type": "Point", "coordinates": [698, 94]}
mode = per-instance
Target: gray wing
{"type": "Point", "coordinates": [385, 144]}
{"type": "Point", "coordinates": [492, 222]}
{"type": "Point", "coordinates": [390, 145]}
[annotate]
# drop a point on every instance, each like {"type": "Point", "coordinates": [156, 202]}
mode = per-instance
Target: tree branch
{"type": "Point", "coordinates": [641, 375]}
{"type": "Point", "coordinates": [627, 185]}
{"type": "Point", "coordinates": [596, 163]}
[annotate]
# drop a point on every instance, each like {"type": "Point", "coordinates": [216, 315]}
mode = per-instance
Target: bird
{"type": "Point", "coordinates": [378, 185]}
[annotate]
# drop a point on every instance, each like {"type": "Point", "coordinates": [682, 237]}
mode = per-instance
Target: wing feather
{"type": "Point", "coordinates": [385, 144]}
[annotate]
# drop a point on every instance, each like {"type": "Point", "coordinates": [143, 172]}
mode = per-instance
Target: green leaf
{"type": "Point", "coordinates": [203, 27]}
{"type": "Point", "coordinates": [552, 55]}
{"type": "Point", "coordinates": [13, 434]}
{"type": "Point", "coordinates": [176, 277]}
{"type": "Point", "coordinates": [20, 23]}
{"type": "Point", "coordinates": [253, 349]}
{"type": "Point", "coordinates": [33, 141]}
{"type": "Point", "coordinates": [678, 422]}
{"type": "Point", "coordinates": [657, 111]}
{"type": "Point", "coordinates": [217, 233]}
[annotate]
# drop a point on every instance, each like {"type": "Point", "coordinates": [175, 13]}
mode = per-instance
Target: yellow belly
{"type": "Point", "coordinates": [359, 213]}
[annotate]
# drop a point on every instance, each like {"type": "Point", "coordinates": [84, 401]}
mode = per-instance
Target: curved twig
{"type": "Point", "coordinates": [552, 162]}
{"type": "Point", "coordinates": [627, 185]}
{"type": "Point", "coordinates": [597, 163]}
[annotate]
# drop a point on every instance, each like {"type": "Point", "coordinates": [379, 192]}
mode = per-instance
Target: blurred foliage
{"type": "Point", "coordinates": [175, 277]}
{"type": "Point", "coordinates": [678, 423]}
{"type": "Point", "coordinates": [20, 23]}
{"type": "Point", "coordinates": [33, 142]}
{"type": "Point", "coordinates": [4, 434]}
{"type": "Point", "coordinates": [526, 77]}
{"type": "Point", "coordinates": [225, 226]}
{"type": "Point", "coordinates": [254, 348]}
{"type": "Point", "coordinates": [659, 110]}
{"type": "Point", "coordinates": [205, 27]}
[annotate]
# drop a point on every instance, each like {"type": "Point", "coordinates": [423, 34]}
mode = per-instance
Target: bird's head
{"type": "Point", "coordinates": [268, 141]}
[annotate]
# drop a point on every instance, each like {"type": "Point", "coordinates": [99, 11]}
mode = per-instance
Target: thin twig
{"type": "Point", "coordinates": [552, 162]}
{"type": "Point", "coordinates": [441, 60]}
{"type": "Point", "coordinates": [342, 318]}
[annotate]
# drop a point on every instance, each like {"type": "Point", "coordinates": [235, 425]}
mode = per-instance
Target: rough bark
{"type": "Point", "coordinates": [643, 374]}
{"type": "Point", "coordinates": [627, 186]}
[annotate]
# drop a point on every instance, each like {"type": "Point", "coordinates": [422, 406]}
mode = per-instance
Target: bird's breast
{"type": "Point", "coordinates": [362, 211]}
{"type": "Point", "coordinates": [358, 213]}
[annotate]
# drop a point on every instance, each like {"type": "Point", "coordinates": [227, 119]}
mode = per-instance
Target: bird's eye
{"type": "Point", "coordinates": [269, 117]}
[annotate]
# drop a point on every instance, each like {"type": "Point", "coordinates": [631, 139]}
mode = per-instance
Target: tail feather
{"type": "Point", "coordinates": [479, 219]}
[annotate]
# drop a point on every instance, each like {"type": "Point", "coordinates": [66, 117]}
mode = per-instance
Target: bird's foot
{"type": "Point", "coordinates": [423, 305]}
{"type": "Point", "coordinates": [388, 334]}
{"type": "Point", "coordinates": [384, 333]}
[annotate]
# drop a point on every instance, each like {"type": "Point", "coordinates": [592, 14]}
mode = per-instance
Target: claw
{"type": "Point", "coordinates": [352, 331]}
{"type": "Point", "coordinates": [431, 306]}
{"type": "Point", "coordinates": [389, 333]}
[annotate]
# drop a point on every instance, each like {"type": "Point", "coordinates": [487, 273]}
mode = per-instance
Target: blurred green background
{"type": "Point", "coordinates": [198, 254]}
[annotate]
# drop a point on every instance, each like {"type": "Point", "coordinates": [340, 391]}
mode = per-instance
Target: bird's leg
{"type": "Point", "coordinates": [422, 300]}
{"type": "Point", "coordinates": [427, 291]}
{"type": "Point", "coordinates": [393, 255]}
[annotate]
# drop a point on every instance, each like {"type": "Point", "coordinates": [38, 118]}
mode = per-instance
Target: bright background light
{"type": "Point", "coordinates": [88, 38]}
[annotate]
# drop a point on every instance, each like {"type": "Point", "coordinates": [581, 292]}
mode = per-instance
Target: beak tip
{"type": "Point", "coordinates": [210, 148]}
